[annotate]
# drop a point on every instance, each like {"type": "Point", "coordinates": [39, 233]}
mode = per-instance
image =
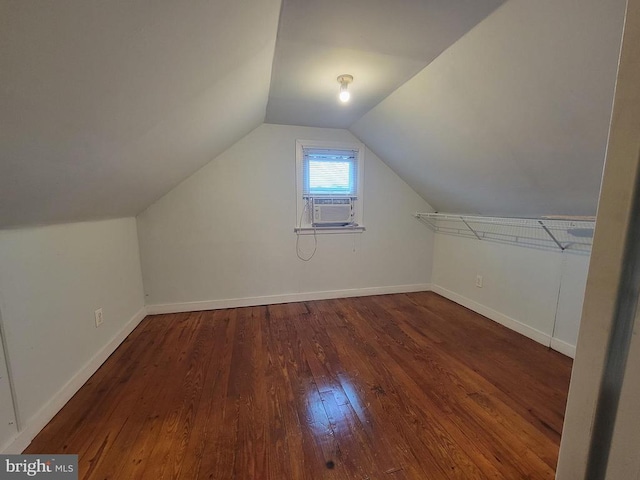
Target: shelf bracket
{"type": "Point", "coordinates": [551, 235]}
{"type": "Point", "coordinates": [469, 227]}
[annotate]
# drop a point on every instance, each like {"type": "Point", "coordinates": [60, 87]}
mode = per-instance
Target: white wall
{"type": "Point", "coordinates": [51, 281]}
{"type": "Point", "coordinates": [573, 284]}
{"type": "Point", "coordinates": [526, 289]}
{"type": "Point", "coordinates": [227, 231]}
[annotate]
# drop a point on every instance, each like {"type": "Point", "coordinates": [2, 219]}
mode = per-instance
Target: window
{"type": "Point", "coordinates": [329, 186]}
{"type": "Point", "coordinates": [328, 172]}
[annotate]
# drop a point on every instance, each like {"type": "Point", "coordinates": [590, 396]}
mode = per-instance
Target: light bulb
{"type": "Point", "coordinates": [344, 81]}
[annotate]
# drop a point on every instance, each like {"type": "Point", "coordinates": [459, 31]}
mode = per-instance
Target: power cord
{"type": "Point", "coordinates": [315, 238]}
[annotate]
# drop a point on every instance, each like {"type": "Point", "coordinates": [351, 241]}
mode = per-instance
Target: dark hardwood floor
{"type": "Point", "coordinates": [386, 387]}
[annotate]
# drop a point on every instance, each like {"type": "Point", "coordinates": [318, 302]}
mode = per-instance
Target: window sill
{"type": "Point", "coordinates": [328, 230]}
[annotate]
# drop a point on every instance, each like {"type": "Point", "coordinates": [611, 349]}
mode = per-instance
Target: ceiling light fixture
{"type": "Point", "coordinates": [344, 81]}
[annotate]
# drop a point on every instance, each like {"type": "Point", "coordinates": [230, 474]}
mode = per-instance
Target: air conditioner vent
{"type": "Point", "coordinates": [332, 211]}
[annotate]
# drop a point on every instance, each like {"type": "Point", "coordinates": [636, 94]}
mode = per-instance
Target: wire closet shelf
{"type": "Point", "coordinates": [556, 232]}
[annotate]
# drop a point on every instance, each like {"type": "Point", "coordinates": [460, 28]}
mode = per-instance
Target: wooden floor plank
{"type": "Point", "coordinates": [406, 386]}
{"type": "Point", "coordinates": [450, 396]}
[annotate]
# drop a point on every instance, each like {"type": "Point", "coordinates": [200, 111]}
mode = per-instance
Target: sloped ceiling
{"type": "Point", "coordinates": [105, 106]}
{"type": "Point", "coordinates": [513, 118]}
{"type": "Point", "coordinates": [381, 43]}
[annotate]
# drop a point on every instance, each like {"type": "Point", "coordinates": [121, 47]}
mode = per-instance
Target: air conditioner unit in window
{"type": "Point", "coordinates": [331, 211]}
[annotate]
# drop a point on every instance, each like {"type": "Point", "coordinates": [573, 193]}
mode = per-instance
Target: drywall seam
{"type": "Point", "coordinates": [7, 362]}
{"type": "Point", "coordinates": [563, 266]}
{"type": "Point", "coordinates": [287, 298]}
{"type": "Point", "coordinates": [38, 421]}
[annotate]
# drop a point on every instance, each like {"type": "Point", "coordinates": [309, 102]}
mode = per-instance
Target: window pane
{"type": "Point", "coordinates": [330, 172]}
{"type": "Point", "coordinates": [330, 177]}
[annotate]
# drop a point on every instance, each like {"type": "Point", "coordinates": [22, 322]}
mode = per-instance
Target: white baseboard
{"type": "Point", "coordinates": [288, 298]}
{"type": "Point", "coordinates": [511, 323]}
{"type": "Point", "coordinates": [563, 347]}
{"type": "Point", "coordinates": [36, 423]}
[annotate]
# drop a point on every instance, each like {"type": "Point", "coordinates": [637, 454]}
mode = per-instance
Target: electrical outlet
{"type": "Point", "coordinates": [99, 317]}
{"type": "Point", "coordinates": [479, 281]}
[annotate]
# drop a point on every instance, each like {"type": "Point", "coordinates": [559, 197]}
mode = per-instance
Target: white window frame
{"type": "Point", "coordinates": [304, 226]}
